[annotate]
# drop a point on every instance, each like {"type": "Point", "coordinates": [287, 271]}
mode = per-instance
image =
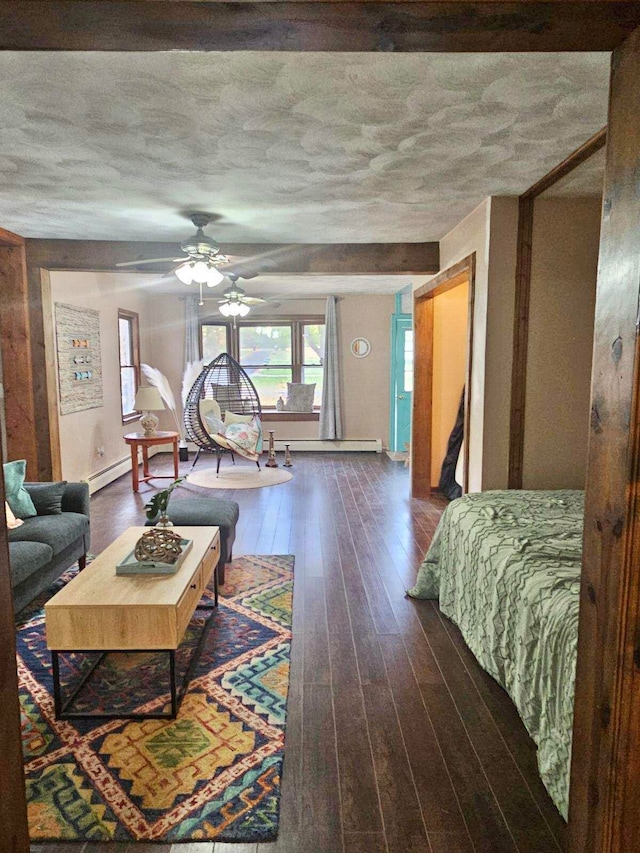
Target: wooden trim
{"type": "Point", "coordinates": [421, 414]}
{"type": "Point", "coordinates": [604, 810]}
{"type": "Point", "coordinates": [51, 362]}
{"type": "Point", "coordinates": [421, 427]}
{"type": "Point", "coordinates": [454, 25]}
{"type": "Point", "coordinates": [13, 804]}
{"type": "Point", "coordinates": [594, 144]}
{"type": "Point", "coordinates": [520, 341]}
{"type": "Point", "coordinates": [526, 210]}
{"type": "Point", "coordinates": [442, 281]}
{"type": "Point", "coordinates": [467, 395]}
{"type": "Point", "coordinates": [289, 416]}
{"type": "Point", "coordinates": [125, 314]}
{"type": "Point", "coordinates": [8, 238]}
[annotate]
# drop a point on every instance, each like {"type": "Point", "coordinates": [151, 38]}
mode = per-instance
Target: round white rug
{"type": "Point", "coordinates": [236, 477]}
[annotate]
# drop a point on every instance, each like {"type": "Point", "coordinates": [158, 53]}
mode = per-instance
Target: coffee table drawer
{"type": "Point", "coordinates": [210, 561]}
{"type": "Point", "coordinates": [188, 602]}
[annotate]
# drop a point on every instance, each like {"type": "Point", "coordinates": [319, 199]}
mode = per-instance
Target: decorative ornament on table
{"type": "Point", "coordinates": [287, 457]}
{"type": "Point", "coordinates": [158, 504]}
{"type": "Point", "coordinates": [158, 545]}
{"type": "Point", "coordinates": [279, 405]}
{"type": "Point", "coordinates": [271, 461]}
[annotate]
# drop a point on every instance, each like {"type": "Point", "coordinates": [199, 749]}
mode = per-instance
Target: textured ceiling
{"type": "Point", "coordinates": [285, 147]}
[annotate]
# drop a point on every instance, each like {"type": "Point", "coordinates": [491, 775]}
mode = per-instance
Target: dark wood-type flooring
{"type": "Point", "coordinates": [396, 740]}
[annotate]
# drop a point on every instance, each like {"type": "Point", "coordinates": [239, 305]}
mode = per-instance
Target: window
{"type": "Point", "coordinates": [273, 351]}
{"type": "Point", "coordinates": [129, 348]}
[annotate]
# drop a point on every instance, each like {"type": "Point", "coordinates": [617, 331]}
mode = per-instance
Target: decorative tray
{"type": "Point", "coordinates": [130, 566]}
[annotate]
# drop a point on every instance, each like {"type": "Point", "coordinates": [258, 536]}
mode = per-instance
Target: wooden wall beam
{"type": "Point", "coordinates": [15, 345]}
{"type": "Point", "coordinates": [604, 814]}
{"type": "Point", "coordinates": [309, 258]}
{"type": "Point", "coordinates": [438, 25]}
{"type": "Point", "coordinates": [13, 804]}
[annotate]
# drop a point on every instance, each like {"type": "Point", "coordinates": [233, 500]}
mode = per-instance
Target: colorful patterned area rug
{"type": "Point", "coordinates": [211, 774]}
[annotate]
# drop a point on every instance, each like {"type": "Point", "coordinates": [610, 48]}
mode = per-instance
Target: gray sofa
{"type": "Point", "coordinates": [42, 548]}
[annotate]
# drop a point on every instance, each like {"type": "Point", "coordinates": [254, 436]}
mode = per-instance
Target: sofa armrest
{"type": "Point", "coordinates": [76, 498]}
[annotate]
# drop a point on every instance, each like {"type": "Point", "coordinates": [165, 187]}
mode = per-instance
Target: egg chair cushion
{"type": "Point", "coordinates": [242, 438]}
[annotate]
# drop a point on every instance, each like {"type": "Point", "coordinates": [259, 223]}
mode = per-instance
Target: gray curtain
{"type": "Point", "coordinates": [191, 342]}
{"type": "Point", "coordinates": [331, 413]}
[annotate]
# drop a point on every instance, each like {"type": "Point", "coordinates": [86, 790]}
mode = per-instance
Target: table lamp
{"type": "Point", "coordinates": [148, 398]}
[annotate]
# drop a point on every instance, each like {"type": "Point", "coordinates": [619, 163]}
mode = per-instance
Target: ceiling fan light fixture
{"type": "Point", "coordinates": [233, 308]}
{"type": "Point", "coordinates": [200, 272]}
{"type": "Point", "coordinates": [185, 272]}
{"type": "Point", "coordinates": [214, 277]}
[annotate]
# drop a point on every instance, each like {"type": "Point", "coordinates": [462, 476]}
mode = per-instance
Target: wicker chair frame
{"type": "Point", "coordinates": [225, 381]}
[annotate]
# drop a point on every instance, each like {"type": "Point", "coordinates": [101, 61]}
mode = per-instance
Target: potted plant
{"type": "Point", "coordinates": [158, 504]}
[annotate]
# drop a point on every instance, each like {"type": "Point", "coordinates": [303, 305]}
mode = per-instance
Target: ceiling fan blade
{"type": "Point", "coordinates": [150, 261]}
{"type": "Point", "coordinates": [253, 300]}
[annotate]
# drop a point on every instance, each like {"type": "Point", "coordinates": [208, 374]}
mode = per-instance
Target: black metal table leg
{"type": "Point", "coordinates": [172, 677]}
{"type": "Point", "coordinates": [55, 670]}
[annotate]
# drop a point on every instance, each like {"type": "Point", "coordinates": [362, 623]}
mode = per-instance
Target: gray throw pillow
{"type": "Point", "coordinates": [47, 497]}
{"type": "Point", "coordinates": [300, 396]}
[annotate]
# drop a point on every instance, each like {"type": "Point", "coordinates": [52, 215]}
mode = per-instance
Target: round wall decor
{"type": "Point", "coordinates": [360, 347]}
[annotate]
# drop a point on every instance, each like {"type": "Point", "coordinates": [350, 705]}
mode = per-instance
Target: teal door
{"type": "Point", "coordinates": [401, 381]}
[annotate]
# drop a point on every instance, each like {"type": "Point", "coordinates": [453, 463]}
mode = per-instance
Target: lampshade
{"type": "Point", "coordinates": [185, 273]}
{"type": "Point", "coordinates": [147, 399]}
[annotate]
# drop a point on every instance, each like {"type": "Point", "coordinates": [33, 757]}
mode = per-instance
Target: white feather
{"type": "Point", "coordinates": [191, 373]}
{"type": "Point", "coordinates": [159, 380]}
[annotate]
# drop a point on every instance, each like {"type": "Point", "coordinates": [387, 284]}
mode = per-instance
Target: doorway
{"type": "Point", "coordinates": [401, 383]}
{"type": "Point", "coordinates": [443, 323]}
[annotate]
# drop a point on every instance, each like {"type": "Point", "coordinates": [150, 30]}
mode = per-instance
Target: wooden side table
{"type": "Point", "coordinates": [139, 439]}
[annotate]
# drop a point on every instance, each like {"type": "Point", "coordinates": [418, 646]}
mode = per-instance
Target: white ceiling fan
{"type": "Point", "coordinates": [236, 303]}
{"type": "Point", "coordinates": [203, 263]}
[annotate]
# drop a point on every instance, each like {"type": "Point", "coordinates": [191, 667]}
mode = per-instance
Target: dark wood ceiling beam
{"type": "Point", "coordinates": [302, 258]}
{"type": "Point", "coordinates": [438, 25]}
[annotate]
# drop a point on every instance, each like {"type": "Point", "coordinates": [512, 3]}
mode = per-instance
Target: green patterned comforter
{"type": "Point", "coordinates": [505, 566]}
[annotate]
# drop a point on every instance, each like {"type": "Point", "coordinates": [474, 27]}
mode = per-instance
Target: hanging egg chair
{"type": "Point", "coordinates": [222, 386]}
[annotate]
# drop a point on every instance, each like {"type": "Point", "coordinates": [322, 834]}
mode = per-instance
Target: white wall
{"type": "Point", "coordinates": [566, 234]}
{"type": "Point", "coordinates": [82, 433]}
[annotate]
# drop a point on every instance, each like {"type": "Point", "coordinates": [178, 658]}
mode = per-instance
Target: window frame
{"type": "Point", "coordinates": [296, 323]}
{"type": "Point", "coordinates": [133, 320]}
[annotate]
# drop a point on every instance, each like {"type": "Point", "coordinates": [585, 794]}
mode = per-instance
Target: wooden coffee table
{"type": "Point", "coordinates": [101, 611]}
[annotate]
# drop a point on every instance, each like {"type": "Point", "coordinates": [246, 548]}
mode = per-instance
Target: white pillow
{"type": "Point", "coordinates": [233, 418]}
{"type": "Point", "coordinates": [12, 521]}
{"type": "Point", "coordinates": [213, 424]}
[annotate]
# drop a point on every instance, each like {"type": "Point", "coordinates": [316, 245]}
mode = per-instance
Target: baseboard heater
{"type": "Point", "coordinates": [372, 445]}
{"type": "Point", "coordinates": [99, 479]}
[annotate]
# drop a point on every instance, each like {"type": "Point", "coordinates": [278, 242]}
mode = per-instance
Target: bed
{"type": "Point", "coordinates": [505, 567]}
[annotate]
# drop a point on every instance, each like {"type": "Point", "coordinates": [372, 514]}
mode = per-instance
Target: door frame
{"type": "Point", "coordinates": [393, 390]}
{"type": "Point", "coordinates": [422, 404]}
